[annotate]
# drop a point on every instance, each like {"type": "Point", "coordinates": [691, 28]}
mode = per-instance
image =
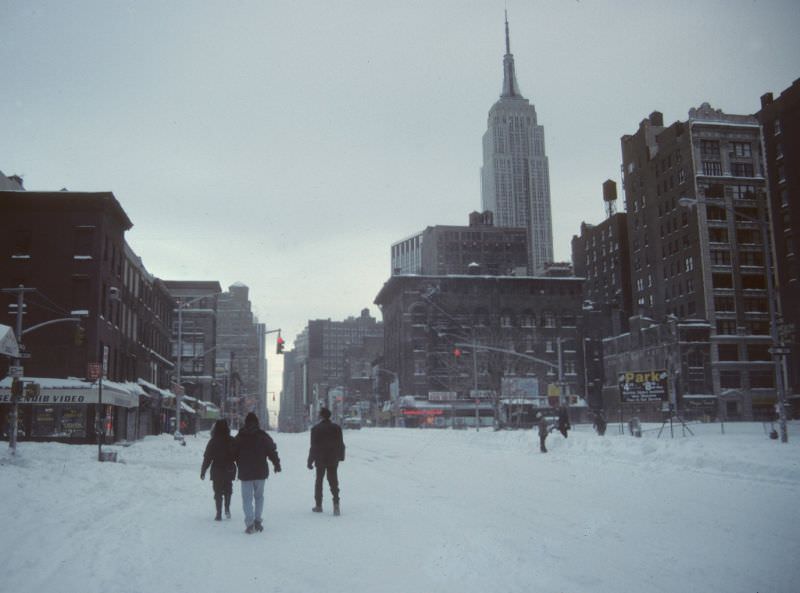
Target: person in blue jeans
{"type": "Point", "coordinates": [251, 449]}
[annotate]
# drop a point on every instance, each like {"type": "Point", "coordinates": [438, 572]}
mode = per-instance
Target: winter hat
{"type": "Point", "coordinates": [251, 420]}
{"type": "Point", "coordinates": [325, 412]}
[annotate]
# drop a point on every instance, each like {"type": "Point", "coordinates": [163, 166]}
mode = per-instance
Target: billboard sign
{"type": "Point", "coordinates": [643, 386]}
{"type": "Point", "coordinates": [520, 387]}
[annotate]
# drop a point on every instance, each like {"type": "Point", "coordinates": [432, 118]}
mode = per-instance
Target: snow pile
{"type": "Point", "coordinates": [422, 510]}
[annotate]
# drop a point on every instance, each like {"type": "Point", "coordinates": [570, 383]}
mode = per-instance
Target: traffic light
{"type": "Point", "coordinates": [279, 345]}
{"type": "Point", "coordinates": [457, 353]}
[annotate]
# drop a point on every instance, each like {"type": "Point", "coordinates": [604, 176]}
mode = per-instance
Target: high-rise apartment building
{"type": "Point", "coordinates": [694, 195]}
{"type": "Point", "coordinates": [515, 182]}
{"type": "Point", "coordinates": [780, 123]}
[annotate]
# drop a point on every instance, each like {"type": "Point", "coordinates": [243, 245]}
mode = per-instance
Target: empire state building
{"type": "Point", "coordinates": [515, 179]}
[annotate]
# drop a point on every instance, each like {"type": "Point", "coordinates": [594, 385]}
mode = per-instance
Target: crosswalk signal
{"type": "Point", "coordinates": [279, 345]}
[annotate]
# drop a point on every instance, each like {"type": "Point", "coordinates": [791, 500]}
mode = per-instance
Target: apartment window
{"type": "Point", "coordinates": [724, 303]}
{"type": "Point", "coordinates": [722, 280]}
{"type": "Point", "coordinates": [762, 379]}
{"type": "Point", "coordinates": [748, 236]}
{"type": "Point", "coordinates": [549, 319]}
{"type": "Point", "coordinates": [22, 242]}
{"type": "Point", "coordinates": [742, 169]}
{"type": "Point", "coordinates": [726, 327]}
{"type": "Point", "coordinates": [83, 237]}
{"type": "Point", "coordinates": [712, 168]}
{"type": "Point", "coordinates": [716, 213]}
{"type": "Point", "coordinates": [689, 264]}
{"type": "Point", "coordinates": [753, 282]}
{"type": "Point", "coordinates": [728, 352]}
{"type": "Point", "coordinates": [756, 305]}
{"type": "Point", "coordinates": [742, 149]}
{"type": "Point", "coordinates": [759, 328]}
{"type": "Point", "coordinates": [709, 148]}
{"type": "Point", "coordinates": [742, 192]}
{"type": "Point", "coordinates": [751, 258]}
{"type": "Point", "coordinates": [730, 379]}
{"type": "Point", "coordinates": [716, 235]}
{"type": "Point", "coordinates": [758, 352]}
{"type": "Point", "coordinates": [505, 320]}
{"type": "Point", "coordinates": [720, 258]}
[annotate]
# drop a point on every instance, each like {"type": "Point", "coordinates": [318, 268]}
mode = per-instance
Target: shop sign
{"type": "Point", "coordinates": [643, 386]}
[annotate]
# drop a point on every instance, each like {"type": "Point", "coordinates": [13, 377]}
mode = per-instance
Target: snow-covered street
{"type": "Point", "coordinates": [422, 510]}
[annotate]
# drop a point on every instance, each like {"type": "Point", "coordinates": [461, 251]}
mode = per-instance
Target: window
{"type": "Point", "coordinates": [726, 327]}
{"type": "Point", "coordinates": [549, 319]}
{"type": "Point", "coordinates": [689, 263]}
{"type": "Point", "coordinates": [724, 303]}
{"type": "Point", "coordinates": [722, 280]}
{"type": "Point", "coordinates": [742, 192]}
{"type": "Point", "coordinates": [762, 379]}
{"type": "Point", "coordinates": [419, 367]}
{"type": "Point", "coordinates": [526, 319]}
{"type": "Point", "coordinates": [755, 305]}
{"type": "Point", "coordinates": [759, 328]}
{"type": "Point", "coordinates": [758, 352]}
{"type": "Point", "coordinates": [720, 258]}
{"type": "Point", "coordinates": [728, 352]}
{"type": "Point", "coordinates": [751, 258]}
{"type": "Point", "coordinates": [753, 282]}
{"type": "Point", "coordinates": [712, 168]}
{"type": "Point", "coordinates": [22, 243]}
{"type": "Point", "coordinates": [742, 149]}
{"type": "Point", "coordinates": [718, 235]}
{"type": "Point", "coordinates": [748, 236]}
{"type": "Point", "coordinates": [742, 169]}
{"type": "Point", "coordinates": [709, 148]}
{"type": "Point", "coordinates": [730, 379]}
{"type": "Point", "coordinates": [83, 237]}
{"type": "Point", "coordinates": [505, 319]}
{"type": "Point", "coordinates": [716, 213]}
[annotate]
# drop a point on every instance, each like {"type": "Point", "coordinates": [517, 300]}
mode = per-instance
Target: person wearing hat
{"type": "Point", "coordinates": [251, 449]}
{"type": "Point", "coordinates": [327, 450]}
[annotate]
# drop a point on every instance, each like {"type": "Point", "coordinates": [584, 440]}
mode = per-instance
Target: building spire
{"type": "Point", "coordinates": [510, 87]}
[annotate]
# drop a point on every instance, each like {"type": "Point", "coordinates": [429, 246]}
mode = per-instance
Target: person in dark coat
{"type": "Point", "coordinates": [327, 450]}
{"type": "Point", "coordinates": [563, 421]}
{"type": "Point", "coordinates": [251, 449]}
{"type": "Point", "coordinates": [600, 422]}
{"type": "Point", "coordinates": [219, 456]}
{"type": "Point", "coordinates": [544, 430]}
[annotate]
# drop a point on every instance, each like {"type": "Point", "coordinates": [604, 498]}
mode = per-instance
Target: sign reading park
{"type": "Point", "coordinates": [643, 386]}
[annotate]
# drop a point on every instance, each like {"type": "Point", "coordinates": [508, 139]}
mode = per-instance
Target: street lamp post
{"type": "Point", "coordinates": [777, 349]}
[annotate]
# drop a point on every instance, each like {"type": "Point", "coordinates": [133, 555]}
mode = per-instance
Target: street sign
{"type": "Point", "coordinates": [16, 372]}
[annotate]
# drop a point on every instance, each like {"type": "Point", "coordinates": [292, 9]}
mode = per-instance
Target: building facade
{"type": "Point", "coordinates": [240, 367]}
{"type": "Point", "coordinates": [194, 337]}
{"type": "Point", "coordinates": [480, 247]}
{"type": "Point", "coordinates": [515, 178]}
{"type": "Point", "coordinates": [780, 123]}
{"type": "Point", "coordinates": [694, 195]}
{"type": "Point", "coordinates": [509, 342]}
{"type": "Point", "coordinates": [86, 298]}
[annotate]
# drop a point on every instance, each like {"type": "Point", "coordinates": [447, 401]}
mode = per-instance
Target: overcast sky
{"type": "Point", "coordinates": [287, 145]}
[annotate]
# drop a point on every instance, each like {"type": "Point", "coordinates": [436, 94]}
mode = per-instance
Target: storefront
{"type": "Point", "coordinates": [69, 410]}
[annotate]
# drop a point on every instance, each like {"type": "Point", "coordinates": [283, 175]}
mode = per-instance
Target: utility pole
{"type": "Point", "coordinates": [20, 292]}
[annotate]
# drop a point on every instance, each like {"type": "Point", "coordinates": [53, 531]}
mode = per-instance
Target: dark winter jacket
{"type": "Point", "coordinates": [544, 428]}
{"type": "Point", "coordinates": [327, 444]}
{"type": "Point", "coordinates": [563, 419]}
{"type": "Point", "coordinates": [219, 455]}
{"type": "Point", "coordinates": [251, 449]}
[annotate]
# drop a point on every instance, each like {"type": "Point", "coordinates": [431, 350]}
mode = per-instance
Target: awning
{"type": "Point", "coordinates": [8, 343]}
{"type": "Point", "coordinates": [54, 391]}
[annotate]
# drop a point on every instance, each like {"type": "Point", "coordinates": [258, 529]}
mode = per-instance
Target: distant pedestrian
{"type": "Point", "coordinates": [251, 449]}
{"type": "Point", "coordinates": [327, 450]}
{"type": "Point", "coordinates": [600, 422]}
{"type": "Point", "coordinates": [544, 430]}
{"type": "Point", "coordinates": [219, 456]}
{"type": "Point", "coordinates": [563, 421]}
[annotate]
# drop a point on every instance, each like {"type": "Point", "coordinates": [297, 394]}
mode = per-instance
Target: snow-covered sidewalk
{"type": "Point", "coordinates": [422, 510]}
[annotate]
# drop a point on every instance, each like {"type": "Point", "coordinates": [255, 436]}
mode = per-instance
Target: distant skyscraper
{"type": "Point", "coordinates": [515, 179]}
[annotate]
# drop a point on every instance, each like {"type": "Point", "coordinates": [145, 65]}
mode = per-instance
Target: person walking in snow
{"type": "Point", "coordinates": [600, 422]}
{"type": "Point", "coordinates": [327, 450]}
{"type": "Point", "coordinates": [251, 449]}
{"type": "Point", "coordinates": [563, 421]}
{"type": "Point", "coordinates": [544, 430]}
{"type": "Point", "coordinates": [219, 456]}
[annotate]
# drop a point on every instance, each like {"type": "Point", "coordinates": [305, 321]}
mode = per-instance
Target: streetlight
{"type": "Point", "coordinates": [777, 349]}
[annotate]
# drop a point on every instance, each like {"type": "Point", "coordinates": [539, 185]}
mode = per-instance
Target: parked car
{"type": "Point", "coordinates": [352, 422]}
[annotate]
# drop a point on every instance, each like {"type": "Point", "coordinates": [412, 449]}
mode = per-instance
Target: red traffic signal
{"type": "Point", "coordinates": [457, 352]}
{"type": "Point", "coordinates": [279, 345]}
